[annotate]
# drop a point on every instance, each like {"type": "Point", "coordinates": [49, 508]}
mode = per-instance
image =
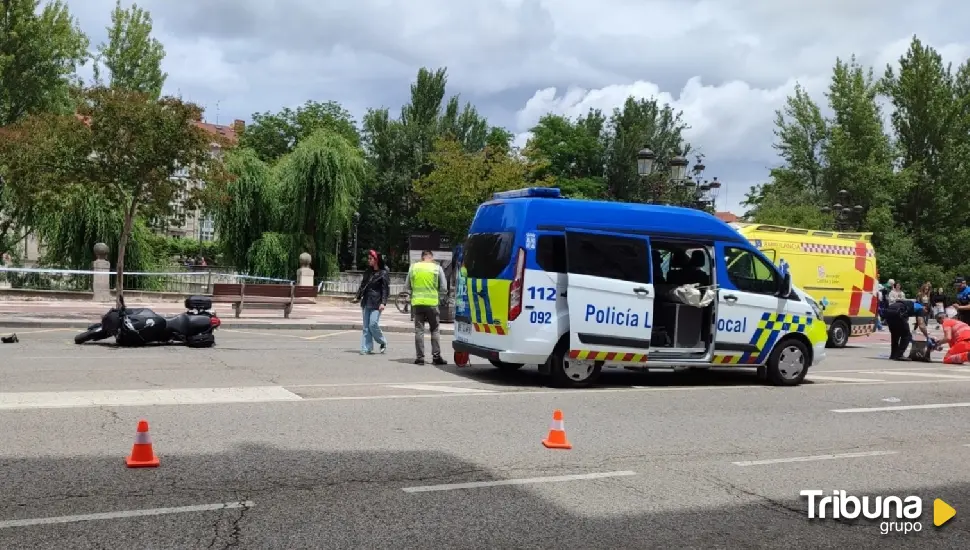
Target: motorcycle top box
{"type": "Point", "coordinates": [198, 303]}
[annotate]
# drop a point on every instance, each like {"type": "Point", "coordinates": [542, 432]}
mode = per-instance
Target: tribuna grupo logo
{"type": "Point", "coordinates": [896, 514]}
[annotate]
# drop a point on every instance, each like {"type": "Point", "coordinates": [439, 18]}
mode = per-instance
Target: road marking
{"type": "Point", "coordinates": [903, 408]}
{"type": "Point", "coordinates": [523, 481]}
{"type": "Point", "coordinates": [126, 514]}
{"type": "Point", "coordinates": [240, 331]}
{"type": "Point", "coordinates": [45, 330]}
{"type": "Point", "coordinates": [841, 379]}
{"type": "Point", "coordinates": [327, 335]}
{"type": "Point", "coordinates": [926, 375]}
{"type": "Point", "coordinates": [357, 384]}
{"type": "Point", "coordinates": [812, 458]}
{"type": "Point", "coordinates": [122, 398]}
{"type": "Point", "coordinates": [442, 389]}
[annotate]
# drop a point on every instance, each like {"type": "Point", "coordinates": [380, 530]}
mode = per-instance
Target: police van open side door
{"type": "Point", "coordinates": [610, 296]}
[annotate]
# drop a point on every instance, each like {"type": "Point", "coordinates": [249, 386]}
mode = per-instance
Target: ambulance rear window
{"type": "Point", "coordinates": [488, 254]}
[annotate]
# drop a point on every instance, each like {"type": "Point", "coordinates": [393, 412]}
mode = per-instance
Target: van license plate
{"type": "Point", "coordinates": [462, 331]}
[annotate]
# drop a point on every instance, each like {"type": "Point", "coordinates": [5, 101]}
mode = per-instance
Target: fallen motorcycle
{"type": "Point", "coordinates": [137, 327]}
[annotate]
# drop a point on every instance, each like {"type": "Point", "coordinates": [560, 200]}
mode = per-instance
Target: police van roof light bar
{"type": "Point", "coordinates": [529, 192]}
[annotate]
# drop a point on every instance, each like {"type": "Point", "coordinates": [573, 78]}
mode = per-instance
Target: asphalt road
{"type": "Point", "coordinates": [314, 446]}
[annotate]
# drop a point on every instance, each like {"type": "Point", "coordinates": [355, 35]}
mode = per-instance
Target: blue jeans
{"type": "Point", "coordinates": [372, 330]}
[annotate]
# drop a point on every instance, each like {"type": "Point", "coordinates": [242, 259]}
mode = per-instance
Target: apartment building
{"type": "Point", "coordinates": [189, 225]}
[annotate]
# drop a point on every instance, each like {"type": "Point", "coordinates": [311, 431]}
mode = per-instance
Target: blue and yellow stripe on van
{"type": "Point", "coordinates": [488, 305]}
{"type": "Point", "coordinates": [771, 327]}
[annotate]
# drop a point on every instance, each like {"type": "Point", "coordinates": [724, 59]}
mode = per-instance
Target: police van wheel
{"type": "Point", "coordinates": [788, 363]}
{"type": "Point", "coordinates": [506, 367]}
{"type": "Point", "coordinates": [567, 373]}
{"type": "Point", "coordinates": [838, 334]}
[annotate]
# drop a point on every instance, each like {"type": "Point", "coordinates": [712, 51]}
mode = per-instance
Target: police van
{"type": "Point", "coordinates": [576, 285]}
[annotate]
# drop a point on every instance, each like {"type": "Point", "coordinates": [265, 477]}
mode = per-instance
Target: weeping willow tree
{"type": "Point", "coordinates": [266, 217]}
{"type": "Point", "coordinates": [69, 236]}
{"type": "Point", "coordinates": [246, 207]}
{"type": "Point", "coordinates": [319, 186]}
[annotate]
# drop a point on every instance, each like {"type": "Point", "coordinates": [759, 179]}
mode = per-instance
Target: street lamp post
{"type": "Point", "coordinates": [705, 192]}
{"type": "Point", "coordinates": [846, 217]}
{"type": "Point", "coordinates": [356, 220]}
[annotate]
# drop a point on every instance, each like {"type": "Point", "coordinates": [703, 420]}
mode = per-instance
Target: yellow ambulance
{"type": "Point", "coordinates": [837, 269]}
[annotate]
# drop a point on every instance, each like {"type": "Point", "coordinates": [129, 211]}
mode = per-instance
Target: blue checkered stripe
{"type": "Point", "coordinates": [771, 327]}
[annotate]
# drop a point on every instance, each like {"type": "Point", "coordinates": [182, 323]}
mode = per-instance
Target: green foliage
{"type": "Point", "coordinates": [460, 181]}
{"type": "Point", "coordinates": [131, 55]}
{"type": "Point", "coordinates": [319, 186]}
{"type": "Point", "coordinates": [273, 135]}
{"type": "Point", "coordinates": [40, 50]}
{"type": "Point", "coordinates": [247, 205]}
{"type": "Point", "coordinates": [273, 256]}
{"type": "Point", "coordinates": [909, 178]}
{"type": "Point", "coordinates": [178, 249]}
{"type": "Point", "coordinates": [69, 237]}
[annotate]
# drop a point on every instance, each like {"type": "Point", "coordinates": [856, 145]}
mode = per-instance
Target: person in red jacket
{"type": "Point", "coordinates": [957, 335]}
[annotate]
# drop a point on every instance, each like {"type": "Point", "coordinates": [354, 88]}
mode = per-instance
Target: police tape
{"type": "Point", "coordinates": [40, 270]}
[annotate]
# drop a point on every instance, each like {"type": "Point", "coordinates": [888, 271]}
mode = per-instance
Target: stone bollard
{"type": "Point", "coordinates": [304, 275]}
{"type": "Point", "coordinates": [102, 274]}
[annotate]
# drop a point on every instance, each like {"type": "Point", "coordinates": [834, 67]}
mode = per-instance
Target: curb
{"type": "Point", "coordinates": [67, 323]}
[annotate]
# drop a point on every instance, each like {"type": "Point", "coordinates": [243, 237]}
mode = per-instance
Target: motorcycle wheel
{"type": "Point", "coordinates": [89, 335]}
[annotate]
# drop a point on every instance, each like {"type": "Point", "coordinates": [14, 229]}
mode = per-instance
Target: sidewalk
{"type": "Point", "coordinates": [326, 315]}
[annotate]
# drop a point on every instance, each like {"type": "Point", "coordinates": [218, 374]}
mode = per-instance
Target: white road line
{"type": "Point", "coordinates": [361, 384]}
{"type": "Point", "coordinates": [841, 379]}
{"type": "Point", "coordinates": [812, 458]}
{"type": "Point", "coordinates": [925, 375]}
{"type": "Point", "coordinates": [121, 398]}
{"type": "Point", "coordinates": [903, 408]}
{"type": "Point", "coordinates": [524, 481]}
{"type": "Point", "coordinates": [442, 389]}
{"type": "Point", "coordinates": [319, 336]}
{"type": "Point", "coordinates": [126, 514]}
{"type": "Point", "coordinates": [45, 330]}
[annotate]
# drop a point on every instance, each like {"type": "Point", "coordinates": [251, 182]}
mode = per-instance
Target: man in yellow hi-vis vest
{"type": "Point", "coordinates": [426, 282]}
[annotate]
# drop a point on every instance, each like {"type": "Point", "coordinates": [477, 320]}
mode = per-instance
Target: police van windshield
{"type": "Point", "coordinates": [486, 255]}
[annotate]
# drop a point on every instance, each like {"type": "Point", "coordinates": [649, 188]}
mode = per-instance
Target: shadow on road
{"type": "Point", "coordinates": [313, 499]}
{"type": "Point", "coordinates": [611, 377]}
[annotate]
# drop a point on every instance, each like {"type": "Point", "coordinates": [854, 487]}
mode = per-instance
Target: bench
{"type": "Point", "coordinates": [263, 296]}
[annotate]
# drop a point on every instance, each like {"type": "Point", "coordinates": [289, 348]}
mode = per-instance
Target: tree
{"type": "Point", "coordinates": [319, 186]}
{"type": "Point", "coordinates": [273, 135]}
{"type": "Point", "coordinates": [908, 178]}
{"type": "Point", "coordinates": [246, 207]}
{"type": "Point", "coordinates": [460, 181]}
{"type": "Point", "coordinates": [574, 152]}
{"type": "Point", "coordinates": [131, 55]}
{"type": "Point", "coordinates": [399, 153]}
{"type": "Point", "coordinates": [40, 51]}
{"type": "Point", "coordinates": [123, 148]}
{"type": "Point", "coordinates": [640, 123]}
{"type": "Point", "coordinates": [798, 185]}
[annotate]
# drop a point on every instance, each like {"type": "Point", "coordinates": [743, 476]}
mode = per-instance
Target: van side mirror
{"type": "Point", "coordinates": [785, 289]}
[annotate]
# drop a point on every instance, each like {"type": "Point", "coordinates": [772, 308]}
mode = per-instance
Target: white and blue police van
{"type": "Point", "coordinates": [574, 286]}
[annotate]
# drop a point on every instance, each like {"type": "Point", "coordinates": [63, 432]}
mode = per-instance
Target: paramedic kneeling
{"type": "Point", "coordinates": [957, 336]}
{"type": "Point", "coordinates": [897, 317]}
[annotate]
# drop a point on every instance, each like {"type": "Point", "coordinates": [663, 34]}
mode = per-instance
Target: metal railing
{"type": "Point", "coordinates": [349, 288]}
{"type": "Point", "coordinates": [76, 280]}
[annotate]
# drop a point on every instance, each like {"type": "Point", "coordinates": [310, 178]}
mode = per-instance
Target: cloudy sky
{"type": "Point", "coordinates": [727, 64]}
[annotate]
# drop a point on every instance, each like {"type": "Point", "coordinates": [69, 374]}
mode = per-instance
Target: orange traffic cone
{"type": "Point", "coordinates": [557, 433]}
{"type": "Point", "coordinates": [142, 455]}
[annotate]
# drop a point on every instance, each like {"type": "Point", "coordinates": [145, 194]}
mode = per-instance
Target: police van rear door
{"type": "Point", "coordinates": [610, 296]}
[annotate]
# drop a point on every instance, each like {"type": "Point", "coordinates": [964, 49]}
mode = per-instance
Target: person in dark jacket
{"type": "Point", "coordinates": [372, 295]}
{"type": "Point", "coordinates": [897, 317]}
